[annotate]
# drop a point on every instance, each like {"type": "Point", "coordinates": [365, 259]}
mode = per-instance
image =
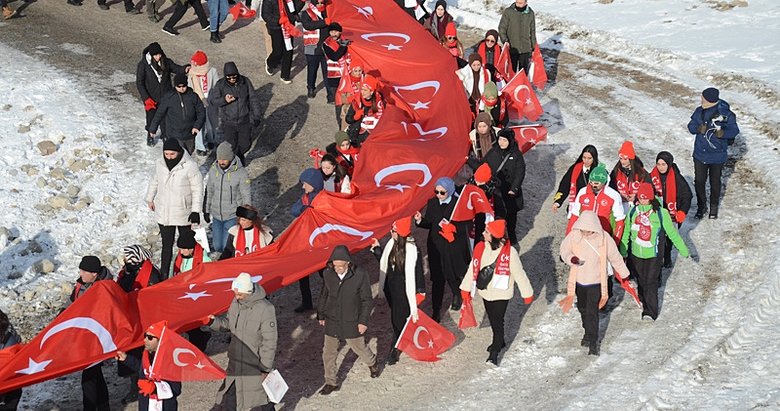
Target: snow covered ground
{"type": "Point", "coordinates": [626, 69]}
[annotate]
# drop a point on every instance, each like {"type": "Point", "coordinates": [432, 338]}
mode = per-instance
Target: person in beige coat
{"type": "Point", "coordinates": [588, 250]}
{"type": "Point", "coordinates": [251, 320]}
{"type": "Point", "coordinates": [496, 252]}
{"type": "Point", "coordinates": [175, 194]}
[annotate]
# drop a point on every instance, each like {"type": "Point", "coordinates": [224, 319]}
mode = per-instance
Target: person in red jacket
{"type": "Point", "coordinates": [628, 174]}
{"type": "Point", "coordinates": [602, 200]}
{"type": "Point", "coordinates": [489, 50]}
{"type": "Point", "coordinates": [365, 111]}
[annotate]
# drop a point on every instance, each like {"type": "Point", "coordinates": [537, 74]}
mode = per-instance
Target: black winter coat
{"type": "Point", "coordinates": [309, 24]}
{"type": "Point", "coordinates": [245, 109]}
{"type": "Point", "coordinates": [81, 287]}
{"type": "Point", "coordinates": [344, 304]}
{"type": "Point", "coordinates": [511, 175]}
{"type": "Point", "coordinates": [181, 112]}
{"type": "Point", "coordinates": [684, 194]}
{"type": "Point", "coordinates": [146, 78]}
{"type": "Point", "coordinates": [445, 257]}
{"type": "Point", "coordinates": [269, 11]}
{"type": "Point", "coordinates": [129, 272]}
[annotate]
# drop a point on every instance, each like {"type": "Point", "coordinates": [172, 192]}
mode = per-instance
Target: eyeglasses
{"type": "Point", "coordinates": [451, 37]}
{"type": "Point", "coordinates": [441, 193]}
{"type": "Point", "coordinates": [149, 337]}
{"type": "Point", "coordinates": [232, 76]}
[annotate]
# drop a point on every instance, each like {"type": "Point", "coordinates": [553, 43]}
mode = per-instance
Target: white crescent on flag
{"type": "Point", "coordinates": [441, 131]}
{"type": "Point", "coordinates": [179, 351]}
{"type": "Point", "coordinates": [415, 338]}
{"type": "Point", "coordinates": [338, 227]}
{"type": "Point", "coordinates": [388, 46]}
{"type": "Point", "coordinates": [397, 168]}
{"type": "Point", "coordinates": [84, 323]}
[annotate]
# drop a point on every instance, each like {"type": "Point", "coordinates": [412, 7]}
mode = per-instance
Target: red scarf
{"type": "Point", "coordinates": [502, 261]}
{"type": "Point", "coordinates": [197, 257]}
{"type": "Point", "coordinates": [241, 241]}
{"type": "Point", "coordinates": [482, 51]}
{"type": "Point", "coordinates": [142, 278]}
{"type": "Point", "coordinates": [288, 29]}
{"type": "Point", "coordinates": [452, 46]}
{"type": "Point", "coordinates": [575, 175]}
{"type": "Point", "coordinates": [670, 197]}
{"type": "Point", "coordinates": [147, 368]}
{"type": "Point", "coordinates": [487, 104]}
{"type": "Point", "coordinates": [623, 187]}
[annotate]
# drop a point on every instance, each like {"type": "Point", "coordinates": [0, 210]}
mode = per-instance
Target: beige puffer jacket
{"type": "Point", "coordinates": [176, 193]}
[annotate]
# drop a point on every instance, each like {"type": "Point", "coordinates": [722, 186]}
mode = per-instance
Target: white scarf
{"type": "Point", "coordinates": [409, 273]}
{"type": "Point", "coordinates": [156, 73]}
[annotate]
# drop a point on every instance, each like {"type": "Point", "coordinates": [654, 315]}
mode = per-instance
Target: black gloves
{"type": "Point", "coordinates": [194, 218]}
{"type": "Point", "coordinates": [702, 129]}
{"type": "Point", "coordinates": [207, 217]}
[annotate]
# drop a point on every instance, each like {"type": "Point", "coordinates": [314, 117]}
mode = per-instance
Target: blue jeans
{"type": "Point", "coordinates": [219, 232]}
{"type": "Point", "coordinates": [218, 11]}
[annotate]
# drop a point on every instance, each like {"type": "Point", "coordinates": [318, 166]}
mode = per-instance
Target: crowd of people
{"type": "Point", "coordinates": [622, 223]}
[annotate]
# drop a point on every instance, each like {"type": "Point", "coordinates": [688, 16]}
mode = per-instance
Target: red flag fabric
{"type": "Point", "coordinates": [472, 201]}
{"type": "Point", "coordinates": [178, 360]}
{"type": "Point", "coordinates": [92, 328]}
{"type": "Point", "coordinates": [529, 135]}
{"type": "Point", "coordinates": [504, 64]}
{"type": "Point", "coordinates": [521, 99]}
{"type": "Point", "coordinates": [416, 141]}
{"type": "Point", "coordinates": [538, 72]}
{"type": "Point", "coordinates": [425, 339]}
{"type": "Point", "coordinates": [629, 289]}
{"type": "Point", "coordinates": [467, 318]}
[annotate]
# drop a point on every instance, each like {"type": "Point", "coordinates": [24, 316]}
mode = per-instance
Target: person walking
{"type": "Point", "coordinates": [218, 12]}
{"type": "Point", "coordinates": [153, 81]}
{"type": "Point", "coordinates": [312, 183]}
{"type": "Point", "coordinates": [335, 49]}
{"type": "Point", "coordinates": [343, 310]}
{"type": "Point", "coordinates": [518, 28]}
{"type": "Point", "coordinates": [508, 168]}
{"type": "Point", "coordinates": [644, 235]}
{"type": "Point", "coordinates": [202, 79]}
{"type": "Point", "coordinates": [598, 197]}
{"type": "Point", "coordinates": [629, 172]}
{"type": "Point", "coordinates": [401, 279]}
{"type": "Point", "coordinates": [335, 178]}
{"type": "Point", "coordinates": [251, 320]}
{"type": "Point", "coordinates": [175, 194]}
{"type": "Point", "coordinates": [315, 21]}
{"type": "Point", "coordinates": [280, 17]}
{"type": "Point", "coordinates": [671, 187]}
{"type": "Point", "coordinates": [494, 271]}
{"type": "Point", "coordinates": [227, 188]}
{"type": "Point", "coordinates": [587, 249]}
{"type": "Point", "coordinates": [180, 7]}
{"type": "Point", "coordinates": [249, 235]}
{"type": "Point", "coordinates": [239, 109]}
{"type": "Point", "coordinates": [576, 177]}
{"type": "Point", "coordinates": [183, 113]}
{"type": "Point", "coordinates": [715, 127]}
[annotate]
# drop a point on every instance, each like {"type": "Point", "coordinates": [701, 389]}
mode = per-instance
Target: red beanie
{"type": "Point", "coordinates": [403, 226]}
{"type": "Point", "coordinates": [156, 329]}
{"type": "Point", "coordinates": [496, 228]}
{"type": "Point", "coordinates": [370, 82]}
{"type": "Point", "coordinates": [483, 174]}
{"type": "Point", "coordinates": [199, 58]}
{"type": "Point", "coordinates": [356, 62]}
{"type": "Point", "coordinates": [627, 149]}
{"type": "Point", "coordinates": [645, 192]}
{"type": "Point", "coordinates": [451, 30]}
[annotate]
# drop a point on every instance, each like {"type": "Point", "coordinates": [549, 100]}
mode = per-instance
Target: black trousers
{"type": "Point", "coordinates": [149, 117]}
{"type": "Point", "coordinates": [648, 270]}
{"type": "Point", "coordinates": [181, 8]}
{"type": "Point", "coordinates": [279, 55]}
{"type": "Point", "coordinates": [520, 60]}
{"type": "Point", "coordinates": [442, 273]}
{"type": "Point", "coordinates": [700, 173]}
{"type": "Point", "coordinates": [188, 144]}
{"type": "Point", "coordinates": [399, 308]}
{"type": "Point", "coordinates": [668, 248]}
{"type": "Point", "coordinates": [588, 297]}
{"type": "Point", "coordinates": [168, 235]}
{"type": "Point", "coordinates": [331, 85]}
{"type": "Point", "coordinates": [9, 401]}
{"type": "Point", "coordinates": [239, 136]}
{"type": "Point", "coordinates": [128, 4]}
{"type": "Point", "coordinates": [314, 62]}
{"type": "Point", "coordinates": [94, 389]}
{"type": "Point", "coordinates": [511, 218]}
{"type": "Point", "coordinates": [495, 311]}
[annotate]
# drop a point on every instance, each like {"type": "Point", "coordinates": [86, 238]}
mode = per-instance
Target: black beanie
{"type": "Point", "coordinates": [90, 263]}
{"type": "Point", "coordinates": [246, 213]}
{"type": "Point", "coordinates": [179, 79]}
{"type": "Point", "coordinates": [154, 48]}
{"type": "Point", "coordinates": [186, 239]}
{"type": "Point", "coordinates": [335, 27]}
{"type": "Point", "coordinates": [711, 94]}
{"type": "Point", "coordinates": [172, 144]}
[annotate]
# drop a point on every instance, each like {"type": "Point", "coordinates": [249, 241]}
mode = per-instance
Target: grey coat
{"type": "Point", "coordinates": [226, 190]}
{"type": "Point", "coordinates": [518, 28]}
{"type": "Point", "coordinates": [344, 304]}
{"type": "Point", "coordinates": [252, 325]}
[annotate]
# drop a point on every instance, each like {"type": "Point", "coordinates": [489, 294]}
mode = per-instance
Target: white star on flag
{"type": "Point", "coordinates": [195, 296]}
{"type": "Point", "coordinates": [399, 187]}
{"type": "Point", "coordinates": [34, 367]}
{"type": "Point", "coordinates": [199, 365]}
{"type": "Point", "coordinates": [420, 105]}
{"type": "Point", "coordinates": [392, 47]}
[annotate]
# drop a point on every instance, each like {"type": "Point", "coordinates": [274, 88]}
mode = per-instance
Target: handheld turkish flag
{"type": "Point", "coordinates": [538, 72]}
{"type": "Point", "coordinates": [467, 318]}
{"type": "Point", "coordinates": [504, 64]}
{"type": "Point", "coordinates": [425, 339]}
{"type": "Point", "coordinates": [345, 89]}
{"type": "Point", "coordinates": [527, 136]}
{"type": "Point", "coordinates": [472, 201]}
{"type": "Point", "coordinates": [629, 289]}
{"type": "Point", "coordinates": [178, 360]}
{"type": "Point", "coordinates": [521, 99]}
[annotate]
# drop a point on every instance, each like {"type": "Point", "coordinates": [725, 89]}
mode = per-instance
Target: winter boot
{"type": "Point", "coordinates": [393, 357]}
{"type": "Point", "coordinates": [215, 37]}
{"type": "Point", "coordinates": [584, 342]}
{"type": "Point", "coordinates": [457, 301]}
{"type": "Point", "coordinates": [374, 369]}
{"type": "Point", "coordinates": [493, 358]}
{"type": "Point", "coordinates": [594, 348]}
{"type": "Point", "coordinates": [700, 213]}
{"type": "Point", "coordinates": [713, 212]}
{"type": "Point", "coordinates": [8, 12]}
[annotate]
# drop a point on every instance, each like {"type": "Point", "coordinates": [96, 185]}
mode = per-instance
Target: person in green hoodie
{"type": "Point", "coordinates": [648, 225]}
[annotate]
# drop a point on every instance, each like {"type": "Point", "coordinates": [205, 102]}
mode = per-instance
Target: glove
{"type": "Point", "coordinates": [719, 133]}
{"type": "Point", "coordinates": [702, 129]}
{"type": "Point", "coordinates": [528, 300]}
{"type": "Point", "coordinates": [566, 303]}
{"type": "Point", "coordinates": [679, 216]}
{"type": "Point", "coordinates": [146, 387]}
{"type": "Point", "coordinates": [358, 114]}
{"type": "Point", "coordinates": [575, 260]}
{"type": "Point", "coordinates": [448, 232]}
{"type": "Point", "coordinates": [149, 104]}
{"type": "Point", "coordinates": [420, 297]}
{"type": "Point", "coordinates": [328, 20]}
{"type": "Point", "coordinates": [466, 296]}
{"type": "Point", "coordinates": [207, 217]}
{"type": "Point", "coordinates": [194, 218]}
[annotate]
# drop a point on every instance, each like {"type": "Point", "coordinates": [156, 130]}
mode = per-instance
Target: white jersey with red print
{"type": "Point", "coordinates": [607, 203]}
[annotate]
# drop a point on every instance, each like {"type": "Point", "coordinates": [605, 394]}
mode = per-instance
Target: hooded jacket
{"type": "Point", "coordinates": [245, 109]}
{"type": "Point", "coordinates": [684, 194]}
{"type": "Point", "coordinates": [512, 174]}
{"type": "Point", "coordinates": [313, 177]}
{"type": "Point", "coordinates": [181, 112]}
{"type": "Point", "coordinates": [81, 287]}
{"type": "Point", "coordinates": [661, 226]}
{"type": "Point", "coordinates": [226, 190]}
{"type": "Point", "coordinates": [177, 192]}
{"type": "Point", "coordinates": [152, 83]}
{"type": "Point", "coordinates": [708, 148]}
{"type": "Point", "coordinates": [252, 349]}
{"type": "Point", "coordinates": [344, 304]}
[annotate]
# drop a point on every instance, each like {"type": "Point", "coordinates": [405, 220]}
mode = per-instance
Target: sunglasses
{"type": "Point", "coordinates": [232, 76]}
{"type": "Point", "coordinates": [149, 337]}
{"type": "Point", "coordinates": [451, 37]}
{"type": "Point", "coordinates": [441, 193]}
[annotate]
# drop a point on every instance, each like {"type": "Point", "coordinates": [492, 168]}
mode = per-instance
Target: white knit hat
{"type": "Point", "coordinates": [243, 284]}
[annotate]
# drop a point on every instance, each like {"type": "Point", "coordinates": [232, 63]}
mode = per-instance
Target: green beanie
{"type": "Point", "coordinates": [341, 136]}
{"type": "Point", "coordinates": [491, 91]}
{"type": "Point", "coordinates": [599, 174]}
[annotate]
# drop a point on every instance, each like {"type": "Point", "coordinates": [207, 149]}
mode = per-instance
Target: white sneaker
{"type": "Point", "coordinates": [268, 70]}
{"type": "Point", "coordinates": [286, 81]}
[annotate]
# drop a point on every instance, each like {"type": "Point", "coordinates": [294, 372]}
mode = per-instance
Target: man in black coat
{"type": "Point", "coordinates": [239, 109]}
{"type": "Point", "coordinates": [183, 113]}
{"type": "Point", "coordinates": [153, 80]}
{"type": "Point", "coordinates": [281, 54]}
{"type": "Point", "coordinates": [508, 167]}
{"type": "Point", "coordinates": [343, 309]}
